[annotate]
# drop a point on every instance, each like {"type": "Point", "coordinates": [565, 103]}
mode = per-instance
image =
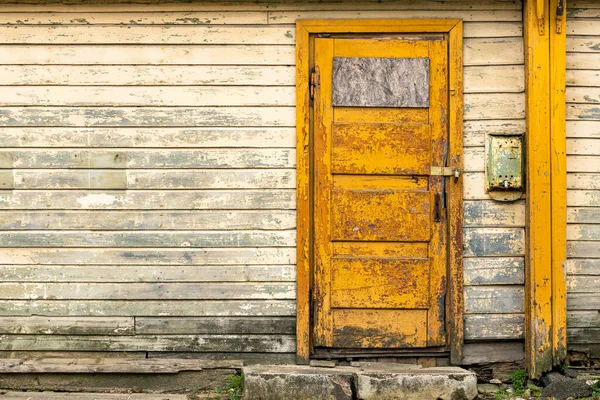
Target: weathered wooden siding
{"type": "Point", "coordinates": [583, 178]}
{"type": "Point", "coordinates": [147, 172]}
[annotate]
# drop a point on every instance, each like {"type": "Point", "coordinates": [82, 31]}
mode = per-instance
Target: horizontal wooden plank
{"type": "Point", "coordinates": [584, 181]}
{"type": "Point", "coordinates": [583, 95]}
{"type": "Point", "coordinates": [221, 6]}
{"type": "Point", "coordinates": [148, 308]}
{"type": "Point", "coordinates": [148, 291]}
{"type": "Point", "coordinates": [204, 325]}
{"type": "Point", "coordinates": [145, 54]}
{"type": "Point", "coordinates": [583, 267]}
{"type": "Point", "coordinates": [494, 299]}
{"type": "Point", "coordinates": [490, 213]}
{"type": "Point", "coordinates": [116, 365]}
{"type": "Point", "coordinates": [479, 242]}
{"type": "Point", "coordinates": [153, 179]}
{"type": "Point", "coordinates": [583, 214]}
{"type": "Point", "coordinates": [148, 117]}
{"type": "Point", "coordinates": [583, 129]}
{"type": "Point", "coordinates": [584, 198]}
{"type": "Point", "coordinates": [141, 239]}
{"type": "Point", "coordinates": [492, 29]}
{"type": "Point", "coordinates": [493, 51]}
{"type": "Point", "coordinates": [583, 147]}
{"type": "Point", "coordinates": [494, 106]}
{"type": "Point", "coordinates": [281, 199]}
{"type": "Point", "coordinates": [473, 159]}
{"type": "Point", "coordinates": [582, 27]}
{"type": "Point", "coordinates": [497, 79]}
{"type": "Point", "coordinates": [150, 159]}
{"type": "Point", "coordinates": [587, 44]}
{"type": "Point", "coordinates": [481, 353]}
{"type": "Point", "coordinates": [209, 256]}
{"type": "Point", "coordinates": [196, 343]}
{"type": "Point", "coordinates": [583, 283]}
{"type": "Point", "coordinates": [147, 220]}
{"type": "Point", "coordinates": [583, 319]}
{"type": "Point", "coordinates": [583, 335]}
{"type": "Point", "coordinates": [147, 273]}
{"type": "Point", "coordinates": [149, 137]}
{"type": "Point", "coordinates": [148, 96]}
{"type": "Point", "coordinates": [492, 271]}
{"type": "Point", "coordinates": [588, 231]}
{"type": "Point", "coordinates": [75, 16]}
{"type": "Point", "coordinates": [474, 186]}
{"type": "Point", "coordinates": [588, 61]}
{"type": "Point", "coordinates": [35, 325]}
{"type": "Point", "coordinates": [578, 249]}
{"type": "Point", "coordinates": [494, 327]}
{"type": "Point", "coordinates": [131, 75]}
{"type": "Point", "coordinates": [153, 34]}
{"type": "Point", "coordinates": [583, 78]}
{"type": "Point", "coordinates": [290, 17]}
{"type": "Point", "coordinates": [474, 131]}
{"type": "Point", "coordinates": [577, 163]}
{"type": "Point", "coordinates": [583, 301]}
{"type": "Point", "coordinates": [98, 396]}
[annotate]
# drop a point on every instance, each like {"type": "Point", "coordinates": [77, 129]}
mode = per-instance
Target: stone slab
{"type": "Point", "coordinates": [364, 381]}
{"type": "Point", "coordinates": [297, 382]}
{"type": "Point", "coordinates": [447, 383]}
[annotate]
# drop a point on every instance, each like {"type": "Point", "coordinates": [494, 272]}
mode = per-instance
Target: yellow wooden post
{"type": "Point", "coordinates": [558, 163]}
{"type": "Point", "coordinates": [545, 306]}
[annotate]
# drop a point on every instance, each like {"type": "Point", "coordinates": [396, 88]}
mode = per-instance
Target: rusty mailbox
{"type": "Point", "coordinates": [504, 167]}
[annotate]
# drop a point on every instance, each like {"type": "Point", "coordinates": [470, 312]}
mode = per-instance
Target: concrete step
{"type": "Point", "coordinates": [366, 381]}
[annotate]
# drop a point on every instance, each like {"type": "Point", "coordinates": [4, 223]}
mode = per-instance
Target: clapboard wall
{"type": "Point", "coordinates": [583, 178]}
{"type": "Point", "coordinates": [147, 172]}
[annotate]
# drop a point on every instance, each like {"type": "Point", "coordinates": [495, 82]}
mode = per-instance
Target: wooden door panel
{"type": "Point", "coordinates": [380, 215]}
{"type": "Point", "coordinates": [359, 282]}
{"type": "Point", "coordinates": [381, 249]}
{"type": "Point", "coordinates": [379, 244]}
{"type": "Point", "coordinates": [379, 148]}
{"type": "Point", "coordinates": [374, 115]}
{"type": "Point", "coordinates": [376, 329]}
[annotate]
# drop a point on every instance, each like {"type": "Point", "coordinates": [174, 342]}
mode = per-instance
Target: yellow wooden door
{"type": "Point", "coordinates": [380, 108]}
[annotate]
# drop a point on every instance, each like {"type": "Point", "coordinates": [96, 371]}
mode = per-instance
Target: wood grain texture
{"type": "Point", "coordinates": [203, 93]}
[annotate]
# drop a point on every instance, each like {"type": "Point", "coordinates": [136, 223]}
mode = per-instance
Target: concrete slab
{"type": "Point", "coordinates": [297, 382]}
{"type": "Point", "coordinates": [445, 383]}
{"type": "Point", "coordinates": [364, 381]}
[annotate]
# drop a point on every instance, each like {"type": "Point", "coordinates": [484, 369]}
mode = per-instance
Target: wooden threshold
{"type": "Point", "coordinates": [110, 365]}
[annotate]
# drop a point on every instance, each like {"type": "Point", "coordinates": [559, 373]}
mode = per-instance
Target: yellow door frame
{"type": "Point", "coordinates": [306, 31]}
{"type": "Point", "coordinates": [545, 59]}
{"type": "Point", "coordinates": [545, 283]}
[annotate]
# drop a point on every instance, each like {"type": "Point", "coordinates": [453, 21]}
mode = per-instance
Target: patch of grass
{"type": "Point", "coordinates": [518, 378]}
{"type": "Point", "coordinates": [234, 388]}
{"type": "Point", "coordinates": [596, 389]}
{"type": "Point", "coordinates": [502, 394]}
{"type": "Point", "coordinates": [534, 391]}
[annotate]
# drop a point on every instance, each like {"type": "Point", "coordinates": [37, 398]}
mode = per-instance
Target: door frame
{"type": "Point", "coordinates": [306, 31]}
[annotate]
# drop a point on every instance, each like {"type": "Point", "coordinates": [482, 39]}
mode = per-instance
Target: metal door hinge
{"type": "Point", "coordinates": [560, 11]}
{"type": "Point", "coordinates": [445, 171]}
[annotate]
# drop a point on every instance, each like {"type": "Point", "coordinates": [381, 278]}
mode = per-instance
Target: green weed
{"type": "Point", "coordinates": [234, 388]}
{"type": "Point", "coordinates": [518, 378]}
{"type": "Point", "coordinates": [596, 389]}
